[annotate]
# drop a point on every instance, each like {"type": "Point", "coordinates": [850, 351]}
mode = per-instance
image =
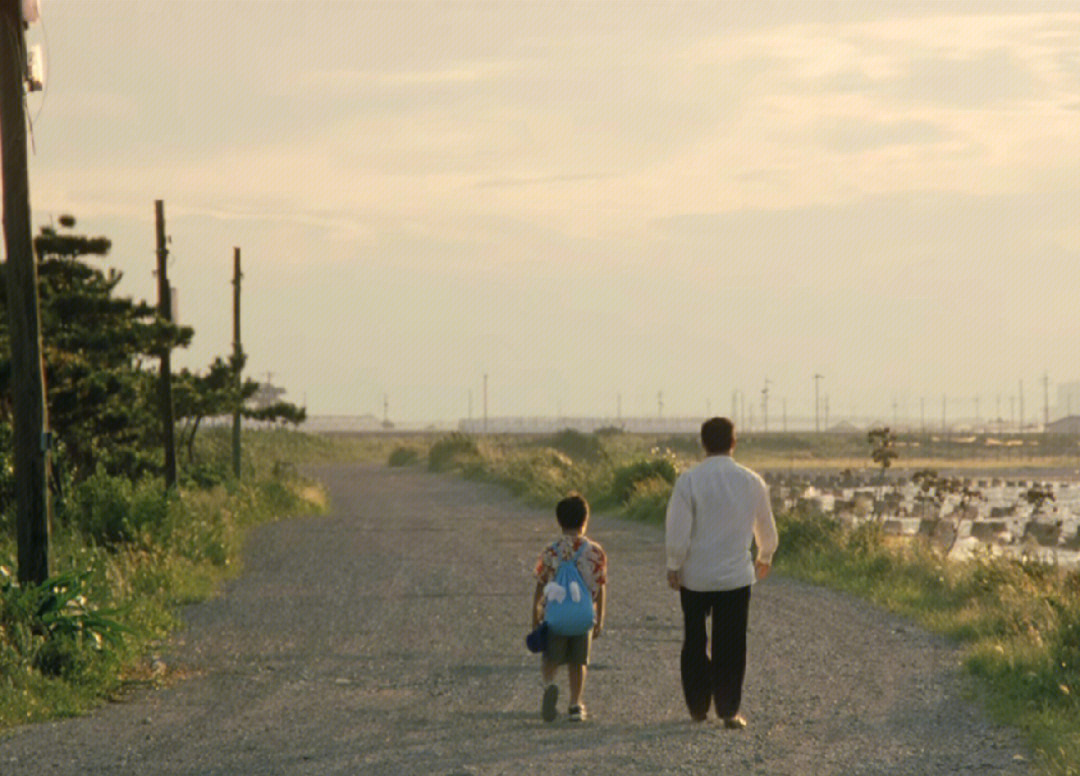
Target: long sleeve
{"type": "Point", "coordinates": [679, 524]}
{"type": "Point", "coordinates": [765, 529]}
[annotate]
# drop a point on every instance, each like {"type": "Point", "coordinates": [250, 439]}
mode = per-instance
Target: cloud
{"type": "Point", "coordinates": [855, 136]}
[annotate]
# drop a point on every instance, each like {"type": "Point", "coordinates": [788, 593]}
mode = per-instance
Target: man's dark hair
{"type": "Point", "coordinates": [572, 512]}
{"type": "Point", "coordinates": [718, 435]}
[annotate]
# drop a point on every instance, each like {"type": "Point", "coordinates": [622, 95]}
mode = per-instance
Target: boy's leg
{"type": "Point", "coordinates": [694, 662]}
{"type": "Point", "coordinates": [554, 656]}
{"type": "Point", "coordinates": [576, 674]}
{"type": "Point", "coordinates": [729, 649]}
{"type": "Point", "coordinates": [547, 670]}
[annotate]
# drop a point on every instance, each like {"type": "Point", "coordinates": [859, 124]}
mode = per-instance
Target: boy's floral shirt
{"type": "Point", "coordinates": [592, 564]}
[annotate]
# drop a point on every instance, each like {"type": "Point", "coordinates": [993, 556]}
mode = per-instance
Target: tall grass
{"type": "Point", "coordinates": [126, 556]}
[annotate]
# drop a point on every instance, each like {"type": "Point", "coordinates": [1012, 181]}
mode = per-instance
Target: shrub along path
{"type": "Point", "coordinates": [386, 637]}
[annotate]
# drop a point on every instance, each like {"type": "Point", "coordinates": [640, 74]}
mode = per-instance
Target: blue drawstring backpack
{"type": "Point", "coordinates": [569, 607]}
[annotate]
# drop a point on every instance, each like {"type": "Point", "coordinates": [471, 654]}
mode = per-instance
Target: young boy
{"type": "Point", "coordinates": [572, 514]}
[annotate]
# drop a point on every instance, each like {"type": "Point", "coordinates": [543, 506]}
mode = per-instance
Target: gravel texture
{"type": "Point", "coordinates": [387, 637]}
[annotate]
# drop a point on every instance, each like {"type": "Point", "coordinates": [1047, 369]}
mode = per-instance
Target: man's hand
{"type": "Point", "coordinates": [674, 579]}
{"type": "Point", "coordinates": [762, 569]}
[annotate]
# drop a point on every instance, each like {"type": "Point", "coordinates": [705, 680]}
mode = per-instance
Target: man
{"type": "Point", "coordinates": [716, 509]}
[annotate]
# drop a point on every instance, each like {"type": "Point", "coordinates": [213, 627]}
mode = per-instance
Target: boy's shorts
{"type": "Point", "coordinates": [572, 650]}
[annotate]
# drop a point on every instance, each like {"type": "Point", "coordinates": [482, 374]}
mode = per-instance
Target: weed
{"type": "Point", "coordinates": [627, 477]}
{"type": "Point", "coordinates": [451, 451]}
{"type": "Point", "coordinates": [403, 456]}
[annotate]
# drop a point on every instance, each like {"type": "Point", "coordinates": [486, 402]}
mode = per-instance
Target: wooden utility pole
{"type": "Point", "coordinates": [165, 399]}
{"type": "Point", "coordinates": [31, 415]}
{"type": "Point", "coordinates": [238, 356]}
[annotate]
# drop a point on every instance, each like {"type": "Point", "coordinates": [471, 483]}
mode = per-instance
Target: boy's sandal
{"type": "Point", "coordinates": [738, 722]}
{"type": "Point", "coordinates": [577, 713]}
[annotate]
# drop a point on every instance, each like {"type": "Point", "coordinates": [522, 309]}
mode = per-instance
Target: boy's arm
{"type": "Point", "coordinates": [537, 609]}
{"type": "Point", "coordinates": [601, 609]}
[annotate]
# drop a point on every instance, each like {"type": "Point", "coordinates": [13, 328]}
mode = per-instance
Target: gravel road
{"type": "Point", "coordinates": [386, 637]}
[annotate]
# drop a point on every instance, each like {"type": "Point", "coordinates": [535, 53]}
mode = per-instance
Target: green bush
{"type": "Point", "coordinates": [203, 474]}
{"type": "Point", "coordinates": [809, 533]}
{"type": "Point", "coordinates": [649, 499]}
{"type": "Point", "coordinates": [403, 456]}
{"type": "Point", "coordinates": [451, 451]}
{"type": "Point", "coordinates": [109, 510]}
{"type": "Point", "coordinates": [579, 446]}
{"type": "Point", "coordinates": [626, 478]}
{"type": "Point", "coordinates": [685, 444]}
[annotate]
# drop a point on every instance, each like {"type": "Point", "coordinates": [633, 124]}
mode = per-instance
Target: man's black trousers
{"type": "Point", "coordinates": [718, 678]}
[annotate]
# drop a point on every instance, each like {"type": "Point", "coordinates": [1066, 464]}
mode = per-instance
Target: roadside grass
{"type": "Point", "coordinates": [1017, 623]}
{"type": "Point", "coordinates": [125, 558]}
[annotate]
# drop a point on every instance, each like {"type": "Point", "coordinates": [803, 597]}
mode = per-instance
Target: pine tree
{"type": "Point", "coordinates": [102, 403]}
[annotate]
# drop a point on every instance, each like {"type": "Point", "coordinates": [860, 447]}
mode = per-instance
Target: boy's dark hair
{"type": "Point", "coordinates": [718, 435]}
{"type": "Point", "coordinates": [572, 511]}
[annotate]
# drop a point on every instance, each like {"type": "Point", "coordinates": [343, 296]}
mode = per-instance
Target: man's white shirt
{"type": "Point", "coordinates": [716, 508]}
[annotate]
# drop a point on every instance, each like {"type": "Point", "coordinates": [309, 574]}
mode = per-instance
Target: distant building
{"type": "Point", "coordinates": [1067, 425]}
{"type": "Point", "coordinates": [843, 427]}
{"type": "Point", "coordinates": [342, 423]}
{"type": "Point", "coordinates": [267, 396]}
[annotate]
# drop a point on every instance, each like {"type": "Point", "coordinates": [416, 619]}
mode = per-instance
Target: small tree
{"type": "Point", "coordinates": [217, 393]}
{"type": "Point", "coordinates": [882, 453]}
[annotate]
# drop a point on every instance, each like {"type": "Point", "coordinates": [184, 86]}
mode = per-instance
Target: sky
{"type": "Point", "coordinates": [597, 205]}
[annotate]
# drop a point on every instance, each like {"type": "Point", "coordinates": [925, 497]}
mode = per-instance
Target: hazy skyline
{"type": "Point", "coordinates": [587, 200]}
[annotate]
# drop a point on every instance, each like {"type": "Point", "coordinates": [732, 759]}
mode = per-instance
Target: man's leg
{"type": "Point", "coordinates": [730, 617]}
{"type": "Point", "coordinates": [694, 662]}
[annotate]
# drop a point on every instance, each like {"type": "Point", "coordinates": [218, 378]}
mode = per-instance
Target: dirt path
{"type": "Point", "coordinates": [387, 638]}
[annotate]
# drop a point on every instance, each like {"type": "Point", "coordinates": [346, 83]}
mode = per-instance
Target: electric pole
{"type": "Point", "coordinates": [1021, 406]}
{"type": "Point", "coordinates": [1046, 400]}
{"type": "Point", "coordinates": [817, 402]}
{"type": "Point", "coordinates": [165, 380]}
{"type": "Point", "coordinates": [485, 404]}
{"type": "Point", "coordinates": [765, 406]}
{"type": "Point", "coordinates": [30, 421]}
{"type": "Point", "coordinates": [238, 363]}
